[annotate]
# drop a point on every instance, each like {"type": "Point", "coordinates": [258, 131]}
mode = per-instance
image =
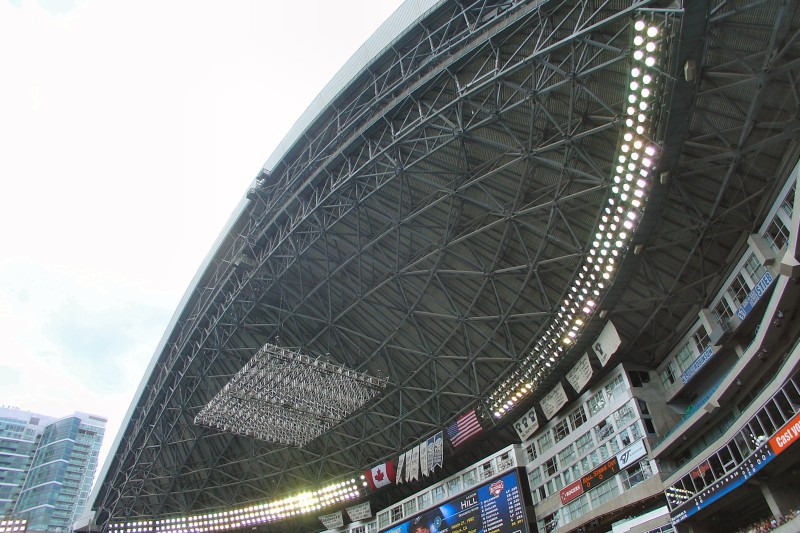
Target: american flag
{"type": "Point", "coordinates": [462, 429]}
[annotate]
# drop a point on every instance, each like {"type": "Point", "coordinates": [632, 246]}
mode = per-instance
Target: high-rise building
{"type": "Point", "coordinates": [46, 466]}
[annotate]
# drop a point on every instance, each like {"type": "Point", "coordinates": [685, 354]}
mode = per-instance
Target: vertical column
{"type": "Point", "coordinates": [780, 498]}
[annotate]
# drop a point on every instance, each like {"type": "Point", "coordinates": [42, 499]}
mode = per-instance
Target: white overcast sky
{"type": "Point", "coordinates": [129, 131]}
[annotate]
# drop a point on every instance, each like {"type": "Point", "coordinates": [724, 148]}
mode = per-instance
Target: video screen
{"type": "Point", "coordinates": [494, 507]}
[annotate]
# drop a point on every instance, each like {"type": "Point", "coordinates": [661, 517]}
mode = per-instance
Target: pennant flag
{"type": "Point", "coordinates": [381, 475]}
{"type": "Point", "coordinates": [408, 465]}
{"type": "Point", "coordinates": [438, 452]}
{"type": "Point", "coordinates": [423, 458]}
{"type": "Point", "coordinates": [464, 428]}
{"type": "Point", "coordinates": [400, 473]}
{"type": "Point", "coordinates": [415, 463]}
{"type": "Point", "coordinates": [431, 450]}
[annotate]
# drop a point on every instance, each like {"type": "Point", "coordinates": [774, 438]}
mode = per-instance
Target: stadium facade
{"type": "Point", "coordinates": [47, 465]}
{"type": "Point", "coordinates": [536, 258]}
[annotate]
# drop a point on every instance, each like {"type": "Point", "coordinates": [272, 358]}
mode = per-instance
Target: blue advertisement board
{"type": "Point", "coordinates": [755, 295]}
{"type": "Point", "coordinates": [494, 507]}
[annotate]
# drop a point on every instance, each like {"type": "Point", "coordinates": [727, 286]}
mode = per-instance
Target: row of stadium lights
{"type": "Point", "coordinates": [635, 162]}
{"type": "Point", "coordinates": [304, 503]}
{"type": "Point", "coordinates": [9, 526]}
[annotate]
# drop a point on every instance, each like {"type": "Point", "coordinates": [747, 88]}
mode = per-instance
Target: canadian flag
{"type": "Point", "coordinates": [381, 475]}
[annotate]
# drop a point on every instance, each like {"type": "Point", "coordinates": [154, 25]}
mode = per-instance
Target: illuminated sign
{"type": "Point", "coordinates": [495, 507]}
{"type": "Point", "coordinates": [602, 473]}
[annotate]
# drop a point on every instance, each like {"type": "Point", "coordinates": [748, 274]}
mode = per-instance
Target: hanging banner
{"type": "Point", "coordinates": [607, 343]}
{"type": "Point", "coordinates": [553, 401]}
{"type": "Point", "coordinates": [408, 467]}
{"type": "Point", "coordinates": [438, 451]}
{"type": "Point", "coordinates": [580, 374]}
{"type": "Point", "coordinates": [359, 512]}
{"type": "Point", "coordinates": [423, 458]}
{"type": "Point", "coordinates": [415, 463]}
{"type": "Point", "coordinates": [400, 474]}
{"type": "Point", "coordinates": [332, 520]}
{"type": "Point", "coordinates": [527, 425]}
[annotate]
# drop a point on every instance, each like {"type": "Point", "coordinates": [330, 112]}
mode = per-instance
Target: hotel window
{"type": "Point", "coordinates": [561, 429]}
{"type": "Point", "coordinates": [576, 508]}
{"type": "Point", "coordinates": [544, 442]}
{"type": "Point", "coordinates": [624, 415]}
{"type": "Point", "coordinates": [535, 477]}
{"type": "Point", "coordinates": [788, 202]}
{"type": "Point", "coordinates": [754, 269]}
{"type": "Point", "coordinates": [530, 452]}
{"type": "Point", "coordinates": [409, 507]}
{"type": "Point", "coordinates": [596, 403]}
{"type": "Point", "coordinates": [603, 429]}
{"type": "Point", "coordinates": [639, 378]}
{"type": "Point", "coordinates": [614, 388]}
{"type": "Point", "coordinates": [777, 234]}
{"type": "Point", "coordinates": [723, 311]}
{"type": "Point", "coordinates": [567, 455]}
{"type": "Point", "coordinates": [577, 418]}
{"type": "Point", "coordinates": [700, 338]}
{"type": "Point", "coordinates": [668, 374]}
{"type": "Point", "coordinates": [632, 476]}
{"type": "Point", "coordinates": [584, 443]}
{"type": "Point", "coordinates": [454, 486]}
{"type": "Point", "coordinates": [685, 356]}
{"type": "Point", "coordinates": [738, 290]}
{"type": "Point", "coordinates": [397, 513]}
{"type": "Point", "coordinates": [576, 470]}
{"type": "Point", "coordinates": [422, 500]}
{"type": "Point", "coordinates": [551, 522]}
{"type": "Point", "coordinates": [438, 494]}
{"type": "Point", "coordinates": [604, 493]}
{"type": "Point", "coordinates": [551, 466]}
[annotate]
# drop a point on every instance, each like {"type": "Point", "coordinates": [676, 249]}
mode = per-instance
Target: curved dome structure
{"type": "Point", "coordinates": [429, 222]}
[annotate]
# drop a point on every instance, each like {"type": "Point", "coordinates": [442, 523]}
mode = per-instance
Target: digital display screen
{"type": "Point", "coordinates": [495, 507]}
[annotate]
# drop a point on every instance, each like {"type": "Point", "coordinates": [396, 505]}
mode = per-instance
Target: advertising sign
{"type": "Point", "coordinates": [786, 436]}
{"type": "Point", "coordinates": [632, 453]}
{"type": "Point", "coordinates": [495, 507]}
{"type": "Point", "coordinates": [571, 491]}
{"type": "Point", "coordinates": [602, 473]}
{"type": "Point", "coordinates": [755, 295]}
{"type": "Point", "coordinates": [697, 364]}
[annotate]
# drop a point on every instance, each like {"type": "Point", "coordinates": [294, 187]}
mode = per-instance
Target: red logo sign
{"type": "Point", "coordinates": [496, 488]}
{"type": "Point", "coordinates": [571, 491]}
{"type": "Point", "coordinates": [786, 436]}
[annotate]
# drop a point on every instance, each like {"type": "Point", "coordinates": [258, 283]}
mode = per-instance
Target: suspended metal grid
{"type": "Point", "coordinates": [286, 397]}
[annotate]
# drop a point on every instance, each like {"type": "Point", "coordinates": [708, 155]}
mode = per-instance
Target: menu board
{"type": "Point", "coordinates": [495, 507]}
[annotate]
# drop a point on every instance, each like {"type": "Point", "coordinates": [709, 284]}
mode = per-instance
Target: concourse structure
{"type": "Point", "coordinates": [523, 265]}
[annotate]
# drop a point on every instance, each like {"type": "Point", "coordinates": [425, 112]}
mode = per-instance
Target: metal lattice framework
{"type": "Point", "coordinates": [428, 222]}
{"type": "Point", "coordinates": [286, 397]}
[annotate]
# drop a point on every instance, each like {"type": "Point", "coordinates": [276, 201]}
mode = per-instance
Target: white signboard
{"type": "Point", "coordinates": [359, 512]}
{"type": "Point", "coordinates": [553, 401]}
{"type": "Point", "coordinates": [607, 343]}
{"type": "Point", "coordinates": [526, 425]}
{"type": "Point", "coordinates": [580, 374]}
{"type": "Point", "coordinates": [332, 520]}
{"type": "Point", "coordinates": [632, 453]}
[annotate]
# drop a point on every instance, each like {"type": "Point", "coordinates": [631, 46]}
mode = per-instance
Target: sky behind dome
{"type": "Point", "coordinates": [129, 131]}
